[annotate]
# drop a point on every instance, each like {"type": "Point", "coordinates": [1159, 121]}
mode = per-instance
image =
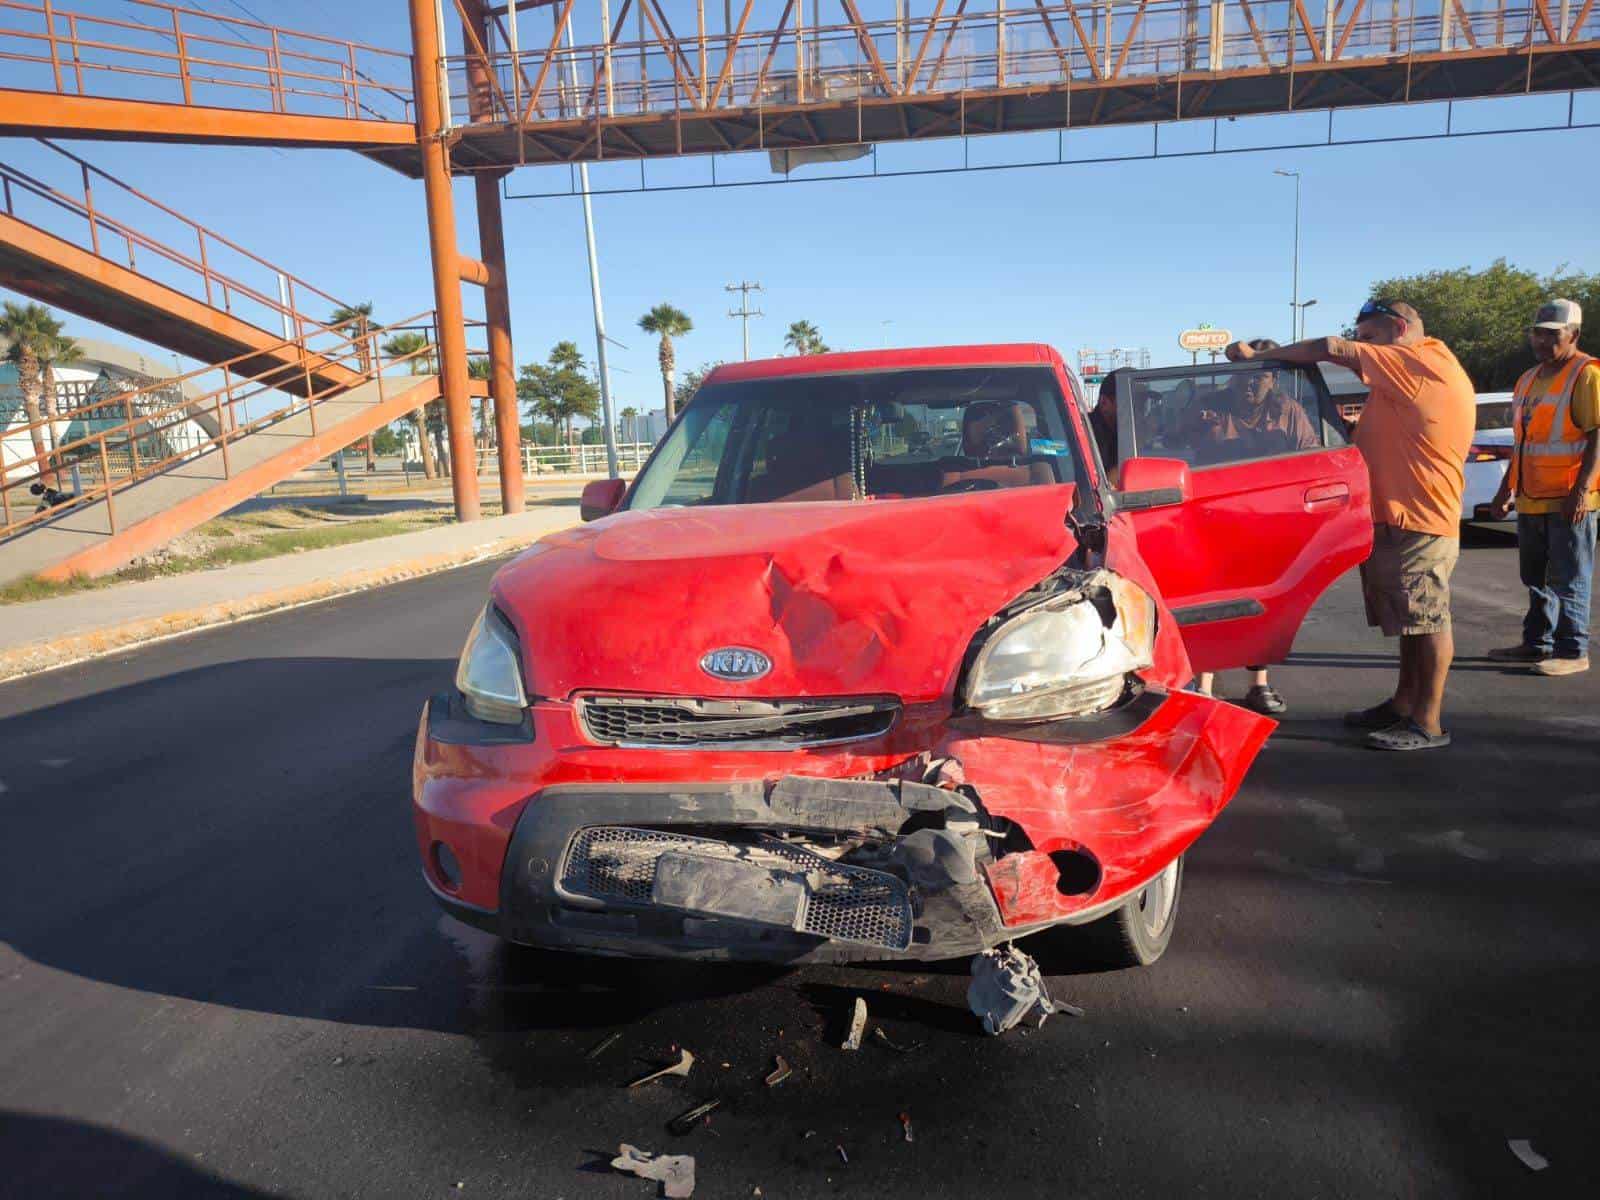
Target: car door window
{"type": "Point", "coordinates": [1216, 416]}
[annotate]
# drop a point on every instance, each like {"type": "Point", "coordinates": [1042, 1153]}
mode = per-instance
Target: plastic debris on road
{"type": "Point", "coordinates": [1006, 989]}
{"type": "Point", "coordinates": [905, 1123]}
{"type": "Point", "coordinates": [1527, 1155]}
{"type": "Point", "coordinates": [604, 1044]}
{"type": "Point", "coordinates": [780, 1071]}
{"type": "Point", "coordinates": [679, 1068]}
{"type": "Point", "coordinates": [674, 1172]}
{"type": "Point", "coordinates": [685, 1122]}
{"type": "Point", "coordinates": [883, 1039]}
{"type": "Point", "coordinates": [858, 1026]}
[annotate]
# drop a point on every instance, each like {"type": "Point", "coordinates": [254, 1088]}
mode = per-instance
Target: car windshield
{"type": "Point", "coordinates": [877, 435]}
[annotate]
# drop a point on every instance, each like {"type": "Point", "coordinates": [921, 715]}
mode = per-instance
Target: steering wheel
{"type": "Point", "coordinates": [970, 485]}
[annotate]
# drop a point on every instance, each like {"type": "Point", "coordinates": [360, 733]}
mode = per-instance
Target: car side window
{"type": "Point", "coordinates": [1225, 415]}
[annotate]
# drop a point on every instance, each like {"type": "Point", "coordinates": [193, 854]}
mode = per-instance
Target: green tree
{"type": "Point", "coordinates": [692, 380]}
{"type": "Point", "coordinates": [402, 345]}
{"type": "Point", "coordinates": [1483, 316]}
{"type": "Point", "coordinates": [804, 338]}
{"type": "Point", "coordinates": [559, 389]}
{"type": "Point", "coordinates": [356, 320]}
{"type": "Point", "coordinates": [33, 342]}
{"type": "Point", "coordinates": [386, 442]}
{"type": "Point", "coordinates": [478, 368]}
{"type": "Point", "coordinates": [667, 322]}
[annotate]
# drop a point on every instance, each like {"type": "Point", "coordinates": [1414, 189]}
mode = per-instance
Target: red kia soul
{"type": "Point", "coordinates": [877, 659]}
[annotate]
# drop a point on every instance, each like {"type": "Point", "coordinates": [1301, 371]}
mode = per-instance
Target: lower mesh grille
{"type": "Point", "coordinates": [844, 903]}
{"type": "Point", "coordinates": [747, 724]}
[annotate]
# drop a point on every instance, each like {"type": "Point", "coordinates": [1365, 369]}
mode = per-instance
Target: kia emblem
{"type": "Point", "coordinates": [735, 663]}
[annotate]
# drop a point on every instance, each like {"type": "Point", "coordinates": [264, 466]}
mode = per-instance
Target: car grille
{"type": "Point", "coordinates": [848, 904]}
{"type": "Point", "coordinates": [748, 724]}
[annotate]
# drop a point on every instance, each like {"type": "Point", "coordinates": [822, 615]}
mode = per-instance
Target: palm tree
{"type": "Point", "coordinates": [478, 368]}
{"type": "Point", "coordinates": [31, 336]}
{"type": "Point", "coordinates": [629, 417]}
{"type": "Point", "coordinates": [804, 338]}
{"type": "Point", "coordinates": [357, 319]}
{"type": "Point", "coordinates": [400, 345]}
{"type": "Point", "coordinates": [357, 322]}
{"type": "Point", "coordinates": [668, 323]}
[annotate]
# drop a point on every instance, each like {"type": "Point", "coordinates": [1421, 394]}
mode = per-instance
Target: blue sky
{"type": "Point", "coordinates": [1123, 253]}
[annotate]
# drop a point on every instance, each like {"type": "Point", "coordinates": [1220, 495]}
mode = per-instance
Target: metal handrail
{"type": "Point", "coordinates": [84, 207]}
{"type": "Point", "coordinates": [225, 403]}
{"type": "Point", "coordinates": [347, 73]}
{"type": "Point", "coordinates": [959, 50]}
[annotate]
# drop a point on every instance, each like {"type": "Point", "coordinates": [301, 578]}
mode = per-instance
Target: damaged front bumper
{"type": "Point", "coordinates": [1055, 822]}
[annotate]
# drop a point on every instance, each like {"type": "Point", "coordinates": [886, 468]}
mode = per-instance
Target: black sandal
{"type": "Point", "coordinates": [1379, 716]}
{"type": "Point", "coordinates": [1263, 698]}
{"type": "Point", "coordinates": [1407, 735]}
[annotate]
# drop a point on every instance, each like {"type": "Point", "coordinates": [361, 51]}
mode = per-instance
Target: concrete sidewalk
{"type": "Point", "coordinates": [43, 634]}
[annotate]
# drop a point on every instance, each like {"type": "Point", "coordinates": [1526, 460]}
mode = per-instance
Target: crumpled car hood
{"type": "Point", "coordinates": [876, 597]}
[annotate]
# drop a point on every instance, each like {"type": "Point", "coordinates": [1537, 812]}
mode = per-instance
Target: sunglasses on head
{"type": "Point", "coordinates": [1377, 308]}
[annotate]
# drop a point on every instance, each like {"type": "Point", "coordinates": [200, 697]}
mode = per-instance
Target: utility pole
{"type": "Point", "coordinates": [744, 312]}
{"type": "Point", "coordinates": [1294, 302]}
{"type": "Point", "coordinates": [608, 427]}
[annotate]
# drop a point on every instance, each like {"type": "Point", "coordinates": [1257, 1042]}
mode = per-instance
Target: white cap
{"type": "Point", "coordinates": [1558, 314]}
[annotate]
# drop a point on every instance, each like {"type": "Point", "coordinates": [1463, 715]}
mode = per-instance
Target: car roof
{"type": "Point", "coordinates": [1495, 397]}
{"type": "Point", "coordinates": [999, 354]}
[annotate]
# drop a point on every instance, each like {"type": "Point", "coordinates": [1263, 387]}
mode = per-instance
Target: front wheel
{"type": "Point", "coordinates": [1137, 933]}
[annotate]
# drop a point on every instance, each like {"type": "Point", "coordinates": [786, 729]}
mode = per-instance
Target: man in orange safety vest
{"type": "Point", "coordinates": [1554, 479]}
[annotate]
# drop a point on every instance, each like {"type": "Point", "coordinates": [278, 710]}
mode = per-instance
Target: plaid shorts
{"type": "Point", "coordinates": [1406, 581]}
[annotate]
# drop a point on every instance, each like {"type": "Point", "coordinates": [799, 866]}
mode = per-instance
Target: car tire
{"type": "Point", "coordinates": [1138, 932]}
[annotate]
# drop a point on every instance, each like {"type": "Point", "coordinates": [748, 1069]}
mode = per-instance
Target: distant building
{"type": "Point", "coordinates": [105, 370]}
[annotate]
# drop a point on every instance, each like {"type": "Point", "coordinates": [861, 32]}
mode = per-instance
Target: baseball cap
{"type": "Point", "coordinates": [1558, 314]}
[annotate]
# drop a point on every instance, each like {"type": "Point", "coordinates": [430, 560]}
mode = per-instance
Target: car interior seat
{"type": "Point", "coordinates": [810, 462]}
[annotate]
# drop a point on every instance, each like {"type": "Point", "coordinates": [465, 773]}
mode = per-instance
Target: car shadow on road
{"type": "Point", "coordinates": [56, 1156]}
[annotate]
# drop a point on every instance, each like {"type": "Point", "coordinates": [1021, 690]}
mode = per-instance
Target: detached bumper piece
{"type": "Point", "coordinates": [803, 869]}
{"type": "Point", "coordinates": [770, 882]}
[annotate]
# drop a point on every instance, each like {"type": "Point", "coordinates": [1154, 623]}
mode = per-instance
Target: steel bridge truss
{"type": "Point", "coordinates": [537, 90]}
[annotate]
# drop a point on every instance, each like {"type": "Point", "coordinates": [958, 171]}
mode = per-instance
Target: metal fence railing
{"type": "Point", "coordinates": [177, 55]}
{"type": "Point", "coordinates": [115, 221]}
{"type": "Point", "coordinates": [960, 48]}
{"type": "Point", "coordinates": [130, 436]}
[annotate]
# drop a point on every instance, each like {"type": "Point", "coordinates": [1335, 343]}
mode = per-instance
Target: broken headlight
{"type": "Point", "coordinates": [490, 674]}
{"type": "Point", "coordinates": [1066, 656]}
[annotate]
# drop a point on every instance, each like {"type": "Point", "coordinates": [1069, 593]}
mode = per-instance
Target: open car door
{"type": "Point", "coordinates": [1275, 508]}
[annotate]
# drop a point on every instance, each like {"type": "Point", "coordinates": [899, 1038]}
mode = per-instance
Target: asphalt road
{"type": "Point", "coordinates": [220, 974]}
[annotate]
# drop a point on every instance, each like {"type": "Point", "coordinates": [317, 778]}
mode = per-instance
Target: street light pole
{"type": "Point", "coordinates": [1307, 304]}
{"type": "Point", "coordinates": [608, 430]}
{"type": "Point", "coordinates": [1294, 302]}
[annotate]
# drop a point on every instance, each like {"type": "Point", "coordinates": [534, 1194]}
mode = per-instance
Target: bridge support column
{"type": "Point", "coordinates": [502, 366]}
{"type": "Point", "coordinates": [452, 334]}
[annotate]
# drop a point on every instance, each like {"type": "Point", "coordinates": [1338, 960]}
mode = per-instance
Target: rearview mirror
{"type": "Point", "coordinates": [601, 498]}
{"type": "Point", "coordinates": [1152, 483]}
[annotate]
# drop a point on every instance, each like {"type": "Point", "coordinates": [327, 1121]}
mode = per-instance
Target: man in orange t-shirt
{"type": "Point", "coordinates": [1414, 434]}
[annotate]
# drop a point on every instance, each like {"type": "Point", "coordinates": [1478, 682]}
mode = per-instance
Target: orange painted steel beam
{"type": "Point", "coordinates": [161, 528]}
{"type": "Point", "coordinates": [58, 272]}
{"type": "Point", "coordinates": [497, 302]}
{"type": "Point", "coordinates": [427, 56]}
{"type": "Point", "coordinates": [47, 114]}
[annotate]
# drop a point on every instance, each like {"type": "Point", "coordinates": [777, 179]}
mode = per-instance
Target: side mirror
{"type": "Point", "coordinates": [601, 498]}
{"type": "Point", "coordinates": [1153, 483]}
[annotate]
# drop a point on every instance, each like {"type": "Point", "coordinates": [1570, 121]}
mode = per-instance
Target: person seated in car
{"type": "Point", "coordinates": [1253, 420]}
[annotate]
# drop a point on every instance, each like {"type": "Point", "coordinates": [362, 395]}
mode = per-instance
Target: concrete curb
{"type": "Point", "coordinates": [51, 653]}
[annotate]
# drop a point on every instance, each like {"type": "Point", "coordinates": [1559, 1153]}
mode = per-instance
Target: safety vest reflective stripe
{"type": "Point", "coordinates": [1556, 449]}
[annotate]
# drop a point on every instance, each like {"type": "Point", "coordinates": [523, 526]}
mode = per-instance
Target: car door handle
{"type": "Point", "coordinates": [1325, 496]}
